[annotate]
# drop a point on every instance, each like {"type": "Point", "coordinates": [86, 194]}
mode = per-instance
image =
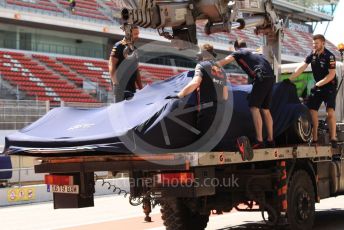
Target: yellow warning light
{"type": "Point", "coordinates": [341, 47]}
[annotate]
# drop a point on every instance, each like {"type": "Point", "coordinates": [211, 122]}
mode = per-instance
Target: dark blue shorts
{"type": "Point", "coordinates": [328, 96]}
{"type": "Point", "coordinates": [261, 94]}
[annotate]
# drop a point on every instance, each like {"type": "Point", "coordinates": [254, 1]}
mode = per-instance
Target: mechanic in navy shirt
{"type": "Point", "coordinates": [323, 64]}
{"type": "Point", "coordinates": [259, 70]}
{"type": "Point", "coordinates": [211, 85]}
{"type": "Point", "coordinates": [123, 67]}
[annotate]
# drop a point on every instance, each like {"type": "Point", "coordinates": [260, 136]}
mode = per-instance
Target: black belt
{"type": "Point", "coordinates": [262, 77]}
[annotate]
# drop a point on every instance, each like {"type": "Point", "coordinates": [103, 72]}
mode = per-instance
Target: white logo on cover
{"type": "Point", "coordinates": [80, 126]}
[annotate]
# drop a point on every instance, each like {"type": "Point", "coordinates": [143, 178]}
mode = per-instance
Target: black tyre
{"type": "Point", "coordinates": [301, 201]}
{"type": "Point", "coordinates": [177, 216]}
{"type": "Point", "coordinates": [300, 130]}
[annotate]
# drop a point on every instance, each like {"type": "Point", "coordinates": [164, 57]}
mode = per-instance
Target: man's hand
{"type": "Point", "coordinates": [299, 70]}
{"type": "Point", "coordinates": [172, 97]}
{"type": "Point", "coordinates": [288, 81]}
{"type": "Point", "coordinates": [315, 89]}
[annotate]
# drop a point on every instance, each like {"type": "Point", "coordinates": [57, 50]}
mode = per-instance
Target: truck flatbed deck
{"type": "Point", "coordinates": [180, 161]}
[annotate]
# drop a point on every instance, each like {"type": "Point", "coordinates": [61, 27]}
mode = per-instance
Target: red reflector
{"type": "Point", "coordinates": [58, 180]}
{"type": "Point", "coordinates": [175, 178]}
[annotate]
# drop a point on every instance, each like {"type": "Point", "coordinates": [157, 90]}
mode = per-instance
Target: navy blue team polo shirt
{"type": "Point", "coordinates": [249, 61]}
{"type": "Point", "coordinates": [321, 64]}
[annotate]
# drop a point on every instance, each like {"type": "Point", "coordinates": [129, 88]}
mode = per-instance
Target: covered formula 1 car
{"type": "Point", "coordinates": [149, 123]}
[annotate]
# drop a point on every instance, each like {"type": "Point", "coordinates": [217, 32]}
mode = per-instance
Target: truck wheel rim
{"type": "Point", "coordinates": [304, 127]}
{"type": "Point", "coordinates": [304, 206]}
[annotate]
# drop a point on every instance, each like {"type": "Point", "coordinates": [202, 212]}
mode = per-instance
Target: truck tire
{"type": "Point", "coordinates": [177, 216]}
{"type": "Point", "coordinates": [301, 201]}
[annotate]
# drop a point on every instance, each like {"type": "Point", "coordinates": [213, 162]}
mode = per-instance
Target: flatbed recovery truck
{"type": "Point", "coordinates": [283, 183]}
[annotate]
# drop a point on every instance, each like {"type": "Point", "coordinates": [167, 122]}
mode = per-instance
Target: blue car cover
{"type": "Point", "coordinates": [149, 123]}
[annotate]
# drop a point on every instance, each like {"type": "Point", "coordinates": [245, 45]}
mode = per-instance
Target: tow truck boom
{"type": "Point", "coordinates": [181, 17]}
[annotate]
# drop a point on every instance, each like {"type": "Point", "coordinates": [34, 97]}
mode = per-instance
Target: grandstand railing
{"type": "Point", "coordinates": [83, 105]}
{"type": "Point", "coordinates": [7, 90]}
{"type": "Point", "coordinates": [16, 114]}
{"type": "Point", "coordinates": [52, 48]}
{"type": "Point", "coordinates": [52, 13]}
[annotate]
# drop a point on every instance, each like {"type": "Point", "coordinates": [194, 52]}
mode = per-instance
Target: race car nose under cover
{"type": "Point", "coordinates": [144, 123]}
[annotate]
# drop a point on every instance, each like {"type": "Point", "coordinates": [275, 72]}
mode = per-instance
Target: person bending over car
{"type": "Point", "coordinates": [211, 84]}
{"type": "Point", "coordinates": [259, 70]}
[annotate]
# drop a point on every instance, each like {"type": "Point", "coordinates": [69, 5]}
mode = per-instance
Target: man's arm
{"type": "Point", "coordinates": [139, 80]}
{"type": "Point", "coordinates": [112, 69]}
{"type": "Point", "coordinates": [192, 86]}
{"type": "Point", "coordinates": [331, 72]}
{"type": "Point", "coordinates": [329, 77]}
{"type": "Point", "coordinates": [225, 61]}
{"type": "Point", "coordinates": [298, 71]}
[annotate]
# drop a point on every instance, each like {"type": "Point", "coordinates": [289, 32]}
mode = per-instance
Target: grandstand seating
{"type": "Point", "coordinates": [301, 42]}
{"type": "Point", "coordinates": [37, 81]}
{"type": "Point", "coordinates": [36, 4]}
{"type": "Point", "coordinates": [290, 49]}
{"type": "Point", "coordinates": [114, 5]}
{"type": "Point", "coordinates": [96, 71]}
{"type": "Point", "coordinates": [86, 8]}
{"type": "Point", "coordinates": [59, 68]}
{"type": "Point", "coordinates": [58, 79]}
{"type": "Point", "coordinates": [151, 73]}
{"type": "Point", "coordinates": [295, 43]}
{"type": "Point", "coordinates": [237, 79]}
